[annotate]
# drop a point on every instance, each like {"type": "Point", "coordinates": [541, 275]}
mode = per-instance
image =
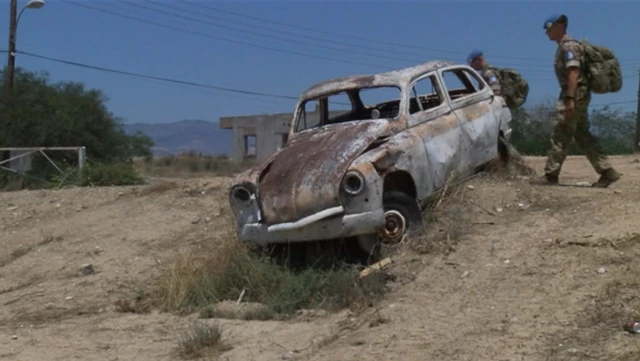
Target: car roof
{"type": "Point", "coordinates": [391, 78]}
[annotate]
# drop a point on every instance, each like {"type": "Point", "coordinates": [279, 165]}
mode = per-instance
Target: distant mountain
{"type": "Point", "coordinates": [200, 136]}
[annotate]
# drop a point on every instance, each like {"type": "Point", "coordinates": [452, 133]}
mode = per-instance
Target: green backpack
{"type": "Point", "coordinates": [602, 68]}
{"type": "Point", "coordinates": [515, 88]}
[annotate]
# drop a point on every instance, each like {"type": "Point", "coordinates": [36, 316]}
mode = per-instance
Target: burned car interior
{"type": "Point", "coordinates": [359, 110]}
{"type": "Point", "coordinates": [325, 113]}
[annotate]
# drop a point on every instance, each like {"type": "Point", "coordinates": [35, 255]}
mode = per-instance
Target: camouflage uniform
{"type": "Point", "coordinates": [570, 54]}
{"type": "Point", "coordinates": [490, 75]}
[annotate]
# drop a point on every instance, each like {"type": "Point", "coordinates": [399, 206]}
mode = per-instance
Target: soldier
{"type": "Point", "coordinates": [572, 108]}
{"type": "Point", "coordinates": [476, 60]}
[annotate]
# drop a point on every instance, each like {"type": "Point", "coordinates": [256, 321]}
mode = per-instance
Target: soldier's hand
{"type": "Point", "coordinates": [569, 108]}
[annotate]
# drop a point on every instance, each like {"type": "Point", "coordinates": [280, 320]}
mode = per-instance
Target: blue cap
{"type": "Point", "coordinates": [550, 20]}
{"type": "Point", "coordinates": [473, 55]}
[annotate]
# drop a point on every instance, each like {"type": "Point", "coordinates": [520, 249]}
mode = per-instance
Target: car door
{"type": "Point", "coordinates": [432, 121]}
{"type": "Point", "coordinates": [471, 100]}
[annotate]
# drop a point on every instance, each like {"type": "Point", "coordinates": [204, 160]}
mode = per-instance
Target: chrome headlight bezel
{"type": "Point", "coordinates": [353, 183]}
{"type": "Point", "coordinates": [242, 193]}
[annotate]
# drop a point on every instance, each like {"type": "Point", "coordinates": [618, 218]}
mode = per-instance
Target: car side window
{"type": "Point", "coordinates": [474, 78]}
{"type": "Point", "coordinates": [425, 90]}
{"type": "Point", "coordinates": [460, 83]}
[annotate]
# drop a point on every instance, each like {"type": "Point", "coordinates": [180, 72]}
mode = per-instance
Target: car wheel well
{"type": "Point", "coordinates": [400, 181]}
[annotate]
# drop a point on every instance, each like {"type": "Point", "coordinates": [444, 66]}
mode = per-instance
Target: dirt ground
{"type": "Point", "coordinates": [528, 273]}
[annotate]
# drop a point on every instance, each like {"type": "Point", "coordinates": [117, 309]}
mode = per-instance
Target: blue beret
{"type": "Point", "coordinates": [550, 20]}
{"type": "Point", "coordinates": [473, 55]}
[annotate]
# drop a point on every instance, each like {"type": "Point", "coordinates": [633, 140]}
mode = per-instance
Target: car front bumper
{"type": "Point", "coordinates": [328, 224]}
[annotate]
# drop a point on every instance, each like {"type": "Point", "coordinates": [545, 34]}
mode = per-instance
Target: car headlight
{"type": "Point", "coordinates": [241, 194]}
{"type": "Point", "coordinates": [353, 182]}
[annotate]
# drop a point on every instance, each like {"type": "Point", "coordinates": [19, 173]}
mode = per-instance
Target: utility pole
{"type": "Point", "coordinates": [638, 119]}
{"type": "Point", "coordinates": [11, 61]}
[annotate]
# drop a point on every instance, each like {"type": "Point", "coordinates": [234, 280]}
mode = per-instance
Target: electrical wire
{"type": "Point", "coordinates": [206, 86]}
{"type": "Point", "coordinates": [379, 41]}
{"type": "Point", "coordinates": [239, 42]}
{"type": "Point", "coordinates": [169, 80]}
{"type": "Point", "coordinates": [191, 19]}
{"type": "Point", "coordinates": [260, 34]}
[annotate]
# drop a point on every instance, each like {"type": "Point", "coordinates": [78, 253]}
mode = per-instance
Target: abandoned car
{"type": "Point", "coordinates": [365, 153]}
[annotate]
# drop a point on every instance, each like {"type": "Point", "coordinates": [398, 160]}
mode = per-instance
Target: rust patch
{"type": "Point", "coordinates": [475, 111]}
{"type": "Point", "coordinates": [305, 177]}
{"type": "Point", "coordinates": [436, 126]}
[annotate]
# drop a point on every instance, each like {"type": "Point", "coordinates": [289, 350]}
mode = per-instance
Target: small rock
{"type": "Point", "coordinates": [287, 356]}
{"type": "Point", "coordinates": [583, 184]}
{"type": "Point", "coordinates": [207, 219]}
{"type": "Point", "coordinates": [602, 270]}
{"type": "Point", "coordinates": [86, 269]}
{"type": "Point", "coordinates": [465, 274]}
{"type": "Point", "coordinates": [506, 261]}
{"type": "Point", "coordinates": [14, 337]}
{"type": "Point", "coordinates": [12, 208]}
{"type": "Point", "coordinates": [635, 160]}
{"type": "Point", "coordinates": [470, 187]}
{"type": "Point", "coordinates": [68, 298]}
{"type": "Point", "coordinates": [196, 221]}
{"type": "Point", "coordinates": [617, 191]}
{"type": "Point", "coordinates": [498, 209]}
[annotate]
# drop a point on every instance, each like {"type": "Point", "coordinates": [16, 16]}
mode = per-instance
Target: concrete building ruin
{"type": "Point", "coordinates": [267, 132]}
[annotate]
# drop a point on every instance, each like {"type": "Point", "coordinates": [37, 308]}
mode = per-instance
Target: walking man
{"type": "Point", "coordinates": [572, 117]}
{"type": "Point", "coordinates": [477, 61]}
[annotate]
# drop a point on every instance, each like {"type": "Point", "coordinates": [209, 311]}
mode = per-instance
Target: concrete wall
{"type": "Point", "coordinates": [269, 131]}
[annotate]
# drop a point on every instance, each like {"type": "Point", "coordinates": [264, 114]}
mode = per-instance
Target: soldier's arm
{"type": "Point", "coordinates": [572, 56]}
{"type": "Point", "coordinates": [492, 79]}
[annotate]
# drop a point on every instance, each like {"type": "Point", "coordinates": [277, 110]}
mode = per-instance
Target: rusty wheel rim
{"type": "Point", "coordinates": [394, 227]}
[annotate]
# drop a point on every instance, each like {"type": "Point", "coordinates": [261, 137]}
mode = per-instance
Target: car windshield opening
{"type": "Point", "coordinates": [348, 106]}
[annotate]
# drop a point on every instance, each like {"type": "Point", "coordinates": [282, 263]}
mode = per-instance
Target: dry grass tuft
{"type": "Point", "coordinates": [159, 187]}
{"type": "Point", "coordinates": [190, 164]}
{"type": "Point", "coordinates": [209, 276]}
{"type": "Point", "coordinates": [202, 339]}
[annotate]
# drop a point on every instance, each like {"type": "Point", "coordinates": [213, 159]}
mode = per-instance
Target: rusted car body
{"type": "Point", "coordinates": [367, 170]}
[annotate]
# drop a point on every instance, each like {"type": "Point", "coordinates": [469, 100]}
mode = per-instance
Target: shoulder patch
{"type": "Point", "coordinates": [569, 55]}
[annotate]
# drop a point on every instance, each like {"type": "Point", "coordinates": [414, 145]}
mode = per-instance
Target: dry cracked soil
{"type": "Point", "coordinates": [510, 271]}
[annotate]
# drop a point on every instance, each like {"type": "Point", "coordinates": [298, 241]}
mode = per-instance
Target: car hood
{"type": "Point", "coordinates": [304, 177]}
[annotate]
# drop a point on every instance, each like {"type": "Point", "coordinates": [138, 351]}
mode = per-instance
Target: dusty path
{"type": "Point", "coordinates": [551, 276]}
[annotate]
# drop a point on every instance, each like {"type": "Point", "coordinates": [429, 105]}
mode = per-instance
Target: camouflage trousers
{"type": "Point", "coordinates": [575, 127]}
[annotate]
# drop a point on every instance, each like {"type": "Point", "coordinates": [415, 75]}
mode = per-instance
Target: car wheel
{"type": "Point", "coordinates": [402, 217]}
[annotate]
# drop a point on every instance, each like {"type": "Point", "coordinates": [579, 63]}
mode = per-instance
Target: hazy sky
{"type": "Point", "coordinates": [249, 46]}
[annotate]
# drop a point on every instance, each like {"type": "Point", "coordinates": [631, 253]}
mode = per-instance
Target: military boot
{"type": "Point", "coordinates": [546, 179]}
{"type": "Point", "coordinates": [607, 177]}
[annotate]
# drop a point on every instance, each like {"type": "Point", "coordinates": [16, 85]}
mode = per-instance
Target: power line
{"type": "Point", "coordinates": [223, 38]}
{"type": "Point", "coordinates": [538, 67]}
{"type": "Point", "coordinates": [231, 90]}
{"type": "Point", "coordinates": [236, 41]}
{"type": "Point", "coordinates": [169, 80]}
{"type": "Point", "coordinates": [379, 41]}
{"type": "Point", "coordinates": [257, 33]}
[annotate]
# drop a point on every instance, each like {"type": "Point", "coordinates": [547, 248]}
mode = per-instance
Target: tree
{"type": "Point", "coordinates": [41, 113]}
{"type": "Point", "coordinates": [532, 129]}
